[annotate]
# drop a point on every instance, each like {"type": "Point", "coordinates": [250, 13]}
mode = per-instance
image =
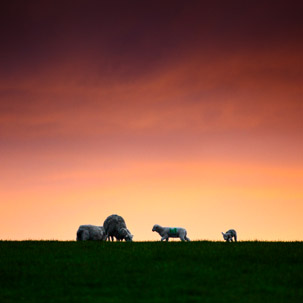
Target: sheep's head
{"type": "Point", "coordinates": [156, 227]}
{"type": "Point", "coordinates": [225, 236]}
{"type": "Point", "coordinates": [129, 237]}
{"type": "Point", "coordinates": [126, 234]}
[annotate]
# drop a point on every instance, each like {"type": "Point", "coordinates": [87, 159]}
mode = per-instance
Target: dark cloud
{"type": "Point", "coordinates": [129, 38]}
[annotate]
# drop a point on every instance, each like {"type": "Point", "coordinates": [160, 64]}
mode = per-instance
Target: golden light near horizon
{"type": "Point", "coordinates": [188, 121]}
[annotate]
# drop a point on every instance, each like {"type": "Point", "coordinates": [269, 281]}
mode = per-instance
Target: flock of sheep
{"type": "Point", "coordinates": [114, 227]}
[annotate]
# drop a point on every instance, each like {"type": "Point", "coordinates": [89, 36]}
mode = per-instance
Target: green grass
{"type": "Point", "coordinates": [51, 271]}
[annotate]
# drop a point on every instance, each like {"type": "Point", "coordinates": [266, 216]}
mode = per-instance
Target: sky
{"type": "Point", "coordinates": [178, 113]}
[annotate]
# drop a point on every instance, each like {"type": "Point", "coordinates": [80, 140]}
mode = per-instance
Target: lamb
{"type": "Point", "coordinates": [229, 235]}
{"type": "Point", "coordinates": [169, 232]}
{"type": "Point", "coordinates": [115, 226]}
{"type": "Point", "coordinates": [91, 232]}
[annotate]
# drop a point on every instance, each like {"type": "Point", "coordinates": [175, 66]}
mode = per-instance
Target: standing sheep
{"type": "Point", "coordinates": [229, 235]}
{"type": "Point", "coordinates": [115, 226]}
{"type": "Point", "coordinates": [169, 232]}
{"type": "Point", "coordinates": [91, 232]}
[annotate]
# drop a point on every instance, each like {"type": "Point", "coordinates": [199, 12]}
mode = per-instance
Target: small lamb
{"type": "Point", "coordinates": [91, 232]}
{"type": "Point", "coordinates": [171, 232]}
{"type": "Point", "coordinates": [229, 235]}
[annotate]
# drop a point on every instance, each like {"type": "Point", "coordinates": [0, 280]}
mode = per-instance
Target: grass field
{"type": "Point", "coordinates": [51, 271]}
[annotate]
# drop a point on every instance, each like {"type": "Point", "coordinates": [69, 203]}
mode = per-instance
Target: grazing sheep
{"type": "Point", "coordinates": [229, 235]}
{"type": "Point", "coordinates": [91, 232]}
{"type": "Point", "coordinates": [115, 226]}
{"type": "Point", "coordinates": [171, 232]}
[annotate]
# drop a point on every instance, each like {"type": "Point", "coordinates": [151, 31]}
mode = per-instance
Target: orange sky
{"type": "Point", "coordinates": [180, 114]}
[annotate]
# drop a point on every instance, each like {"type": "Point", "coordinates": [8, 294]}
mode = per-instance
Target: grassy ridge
{"type": "Point", "coordinates": [50, 271]}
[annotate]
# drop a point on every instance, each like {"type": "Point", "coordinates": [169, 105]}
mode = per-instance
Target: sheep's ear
{"type": "Point", "coordinates": [223, 233]}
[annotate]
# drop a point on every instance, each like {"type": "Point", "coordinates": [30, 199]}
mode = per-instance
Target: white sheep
{"type": "Point", "coordinates": [229, 235]}
{"type": "Point", "coordinates": [91, 232]}
{"type": "Point", "coordinates": [171, 232]}
{"type": "Point", "coordinates": [115, 226]}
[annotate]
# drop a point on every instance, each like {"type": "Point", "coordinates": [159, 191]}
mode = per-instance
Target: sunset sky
{"type": "Point", "coordinates": [178, 113]}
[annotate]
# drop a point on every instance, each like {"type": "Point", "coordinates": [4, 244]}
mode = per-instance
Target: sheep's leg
{"type": "Point", "coordinates": [164, 238]}
{"type": "Point", "coordinates": [182, 238]}
{"type": "Point", "coordinates": [235, 238]}
{"type": "Point", "coordinates": [187, 239]}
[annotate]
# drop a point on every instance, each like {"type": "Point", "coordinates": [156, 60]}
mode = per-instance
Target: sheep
{"type": "Point", "coordinates": [229, 235]}
{"type": "Point", "coordinates": [169, 232]}
{"type": "Point", "coordinates": [91, 232]}
{"type": "Point", "coordinates": [115, 226]}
